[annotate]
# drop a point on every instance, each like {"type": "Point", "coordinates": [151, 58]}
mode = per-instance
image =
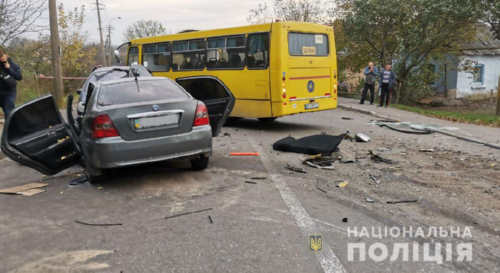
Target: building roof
{"type": "Point", "coordinates": [484, 45]}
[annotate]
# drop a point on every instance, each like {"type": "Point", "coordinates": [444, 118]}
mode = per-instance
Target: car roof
{"type": "Point", "coordinates": [131, 79]}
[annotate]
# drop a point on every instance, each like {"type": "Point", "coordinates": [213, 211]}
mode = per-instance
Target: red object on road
{"type": "Point", "coordinates": [244, 154]}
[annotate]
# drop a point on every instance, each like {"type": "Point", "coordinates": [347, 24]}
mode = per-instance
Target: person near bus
{"type": "Point", "coordinates": [387, 82]}
{"type": "Point", "coordinates": [371, 74]}
{"type": "Point", "coordinates": [10, 73]}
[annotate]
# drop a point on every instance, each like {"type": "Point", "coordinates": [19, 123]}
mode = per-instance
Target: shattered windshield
{"type": "Point", "coordinates": [139, 91]}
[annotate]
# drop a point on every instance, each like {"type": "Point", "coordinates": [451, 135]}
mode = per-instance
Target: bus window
{"type": "Point", "coordinates": [188, 55]}
{"type": "Point", "coordinates": [226, 52]}
{"type": "Point", "coordinates": [307, 44]}
{"type": "Point", "coordinates": [258, 50]}
{"type": "Point", "coordinates": [133, 56]}
{"type": "Point", "coordinates": [156, 57]}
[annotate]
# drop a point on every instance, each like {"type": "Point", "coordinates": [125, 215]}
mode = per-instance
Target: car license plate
{"type": "Point", "coordinates": [158, 121]}
{"type": "Point", "coordinates": [312, 105]}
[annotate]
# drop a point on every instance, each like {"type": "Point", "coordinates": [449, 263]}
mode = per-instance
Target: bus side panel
{"type": "Point", "coordinates": [249, 87]}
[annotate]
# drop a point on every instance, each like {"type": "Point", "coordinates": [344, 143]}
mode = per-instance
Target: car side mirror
{"type": "Point", "coordinates": [116, 53]}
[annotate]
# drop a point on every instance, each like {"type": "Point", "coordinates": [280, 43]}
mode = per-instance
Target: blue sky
{"type": "Point", "coordinates": [176, 15]}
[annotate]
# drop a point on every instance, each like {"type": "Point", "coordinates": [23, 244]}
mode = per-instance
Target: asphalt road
{"type": "Point", "coordinates": [241, 224]}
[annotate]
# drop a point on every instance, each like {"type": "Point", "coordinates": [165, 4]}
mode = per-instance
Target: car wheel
{"type": "Point", "coordinates": [267, 120]}
{"type": "Point", "coordinates": [199, 163]}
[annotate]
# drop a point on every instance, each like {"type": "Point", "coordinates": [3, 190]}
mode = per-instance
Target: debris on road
{"type": "Point", "coordinates": [25, 190]}
{"type": "Point", "coordinates": [378, 159]}
{"type": "Point", "coordinates": [294, 169]}
{"type": "Point", "coordinates": [97, 224]}
{"type": "Point", "coordinates": [187, 213]}
{"type": "Point", "coordinates": [426, 150]}
{"type": "Point", "coordinates": [374, 179]}
{"type": "Point", "coordinates": [258, 178]}
{"type": "Point", "coordinates": [251, 182]}
{"type": "Point", "coordinates": [403, 201]}
{"type": "Point", "coordinates": [81, 179]}
{"type": "Point", "coordinates": [320, 162]}
{"type": "Point", "coordinates": [347, 118]}
{"type": "Point", "coordinates": [227, 134]}
{"type": "Point", "coordinates": [345, 220]}
{"type": "Point", "coordinates": [369, 200]}
{"type": "Point", "coordinates": [360, 137]}
{"type": "Point", "coordinates": [343, 184]}
{"type": "Point", "coordinates": [244, 154]}
{"type": "Point", "coordinates": [311, 145]}
{"type": "Point", "coordinates": [210, 219]}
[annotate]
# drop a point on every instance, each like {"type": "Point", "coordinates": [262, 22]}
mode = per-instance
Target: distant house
{"type": "Point", "coordinates": [473, 70]}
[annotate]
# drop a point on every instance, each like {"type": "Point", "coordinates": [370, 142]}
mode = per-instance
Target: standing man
{"type": "Point", "coordinates": [387, 82]}
{"type": "Point", "coordinates": [371, 74]}
{"type": "Point", "coordinates": [10, 73]}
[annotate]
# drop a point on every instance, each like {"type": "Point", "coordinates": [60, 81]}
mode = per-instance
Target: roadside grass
{"type": "Point", "coordinates": [466, 117]}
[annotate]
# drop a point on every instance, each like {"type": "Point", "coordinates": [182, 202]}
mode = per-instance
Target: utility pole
{"type": "Point", "coordinates": [498, 97]}
{"type": "Point", "coordinates": [56, 54]}
{"type": "Point", "coordinates": [103, 55]}
{"type": "Point", "coordinates": [109, 52]}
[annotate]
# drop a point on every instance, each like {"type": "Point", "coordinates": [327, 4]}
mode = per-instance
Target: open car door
{"type": "Point", "coordinates": [35, 135]}
{"type": "Point", "coordinates": [216, 96]}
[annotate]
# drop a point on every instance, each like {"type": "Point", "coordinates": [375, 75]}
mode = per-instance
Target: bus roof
{"type": "Point", "coordinates": [231, 31]}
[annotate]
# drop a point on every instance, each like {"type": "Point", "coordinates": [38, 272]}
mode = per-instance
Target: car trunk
{"type": "Point", "coordinates": [150, 120]}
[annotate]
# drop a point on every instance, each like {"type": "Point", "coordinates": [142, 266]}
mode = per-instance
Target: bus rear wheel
{"type": "Point", "coordinates": [267, 120]}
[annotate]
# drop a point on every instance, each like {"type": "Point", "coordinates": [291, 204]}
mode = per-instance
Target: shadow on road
{"type": "Point", "coordinates": [277, 126]}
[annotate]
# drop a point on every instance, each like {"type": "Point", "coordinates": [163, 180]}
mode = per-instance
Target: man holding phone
{"type": "Point", "coordinates": [371, 74]}
{"type": "Point", "coordinates": [10, 73]}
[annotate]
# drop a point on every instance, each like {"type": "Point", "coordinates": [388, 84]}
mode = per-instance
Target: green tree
{"type": "Point", "coordinates": [409, 32]}
{"type": "Point", "coordinates": [144, 28]}
{"type": "Point", "coordinates": [77, 58]}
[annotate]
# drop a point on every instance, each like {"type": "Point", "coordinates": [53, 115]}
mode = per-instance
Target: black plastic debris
{"type": "Point", "coordinates": [403, 201]}
{"type": "Point", "coordinates": [320, 162]}
{"type": "Point", "coordinates": [311, 145]}
{"type": "Point", "coordinates": [294, 169]}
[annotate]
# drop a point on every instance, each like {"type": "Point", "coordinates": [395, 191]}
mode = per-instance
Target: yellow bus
{"type": "Point", "coordinates": [272, 70]}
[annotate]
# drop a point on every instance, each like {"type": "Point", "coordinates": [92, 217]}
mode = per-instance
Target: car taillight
{"type": "Point", "coordinates": [201, 115]}
{"type": "Point", "coordinates": [103, 127]}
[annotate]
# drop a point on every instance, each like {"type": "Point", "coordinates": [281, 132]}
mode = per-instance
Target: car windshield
{"type": "Point", "coordinates": [139, 91]}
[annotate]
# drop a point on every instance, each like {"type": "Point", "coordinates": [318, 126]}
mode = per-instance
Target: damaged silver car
{"type": "Point", "coordinates": [124, 122]}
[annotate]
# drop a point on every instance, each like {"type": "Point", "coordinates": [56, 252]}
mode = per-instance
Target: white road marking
{"type": "Point", "coordinates": [328, 260]}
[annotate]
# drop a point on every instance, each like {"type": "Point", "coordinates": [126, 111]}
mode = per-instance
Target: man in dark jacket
{"type": "Point", "coordinates": [10, 73]}
{"type": "Point", "coordinates": [371, 74]}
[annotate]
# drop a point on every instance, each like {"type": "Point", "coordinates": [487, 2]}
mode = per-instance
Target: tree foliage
{"type": "Point", "coordinates": [409, 32]}
{"type": "Point", "coordinates": [144, 28]}
{"type": "Point", "coordinates": [491, 15]}
{"type": "Point", "coordinates": [77, 59]}
{"type": "Point", "coordinates": [18, 17]}
{"type": "Point", "coordinates": [289, 10]}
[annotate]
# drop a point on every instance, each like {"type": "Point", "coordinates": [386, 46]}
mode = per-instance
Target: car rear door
{"type": "Point", "coordinates": [216, 96]}
{"type": "Point", "coordinates": [35, 135]}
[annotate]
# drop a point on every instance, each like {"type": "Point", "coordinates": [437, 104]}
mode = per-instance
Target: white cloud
{"type": "Point", "coordinates": [176, 15]}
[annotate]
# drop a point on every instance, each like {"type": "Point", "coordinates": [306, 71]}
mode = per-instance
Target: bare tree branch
{"type": "Point", "coordinates": [18, 17]}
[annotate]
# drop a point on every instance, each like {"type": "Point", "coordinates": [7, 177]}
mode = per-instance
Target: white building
{"type": "Point", "coordinates": [479, 69]}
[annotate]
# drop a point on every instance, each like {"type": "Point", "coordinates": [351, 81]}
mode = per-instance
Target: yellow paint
{"type": "Point", "coordinates": [260, 93]}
